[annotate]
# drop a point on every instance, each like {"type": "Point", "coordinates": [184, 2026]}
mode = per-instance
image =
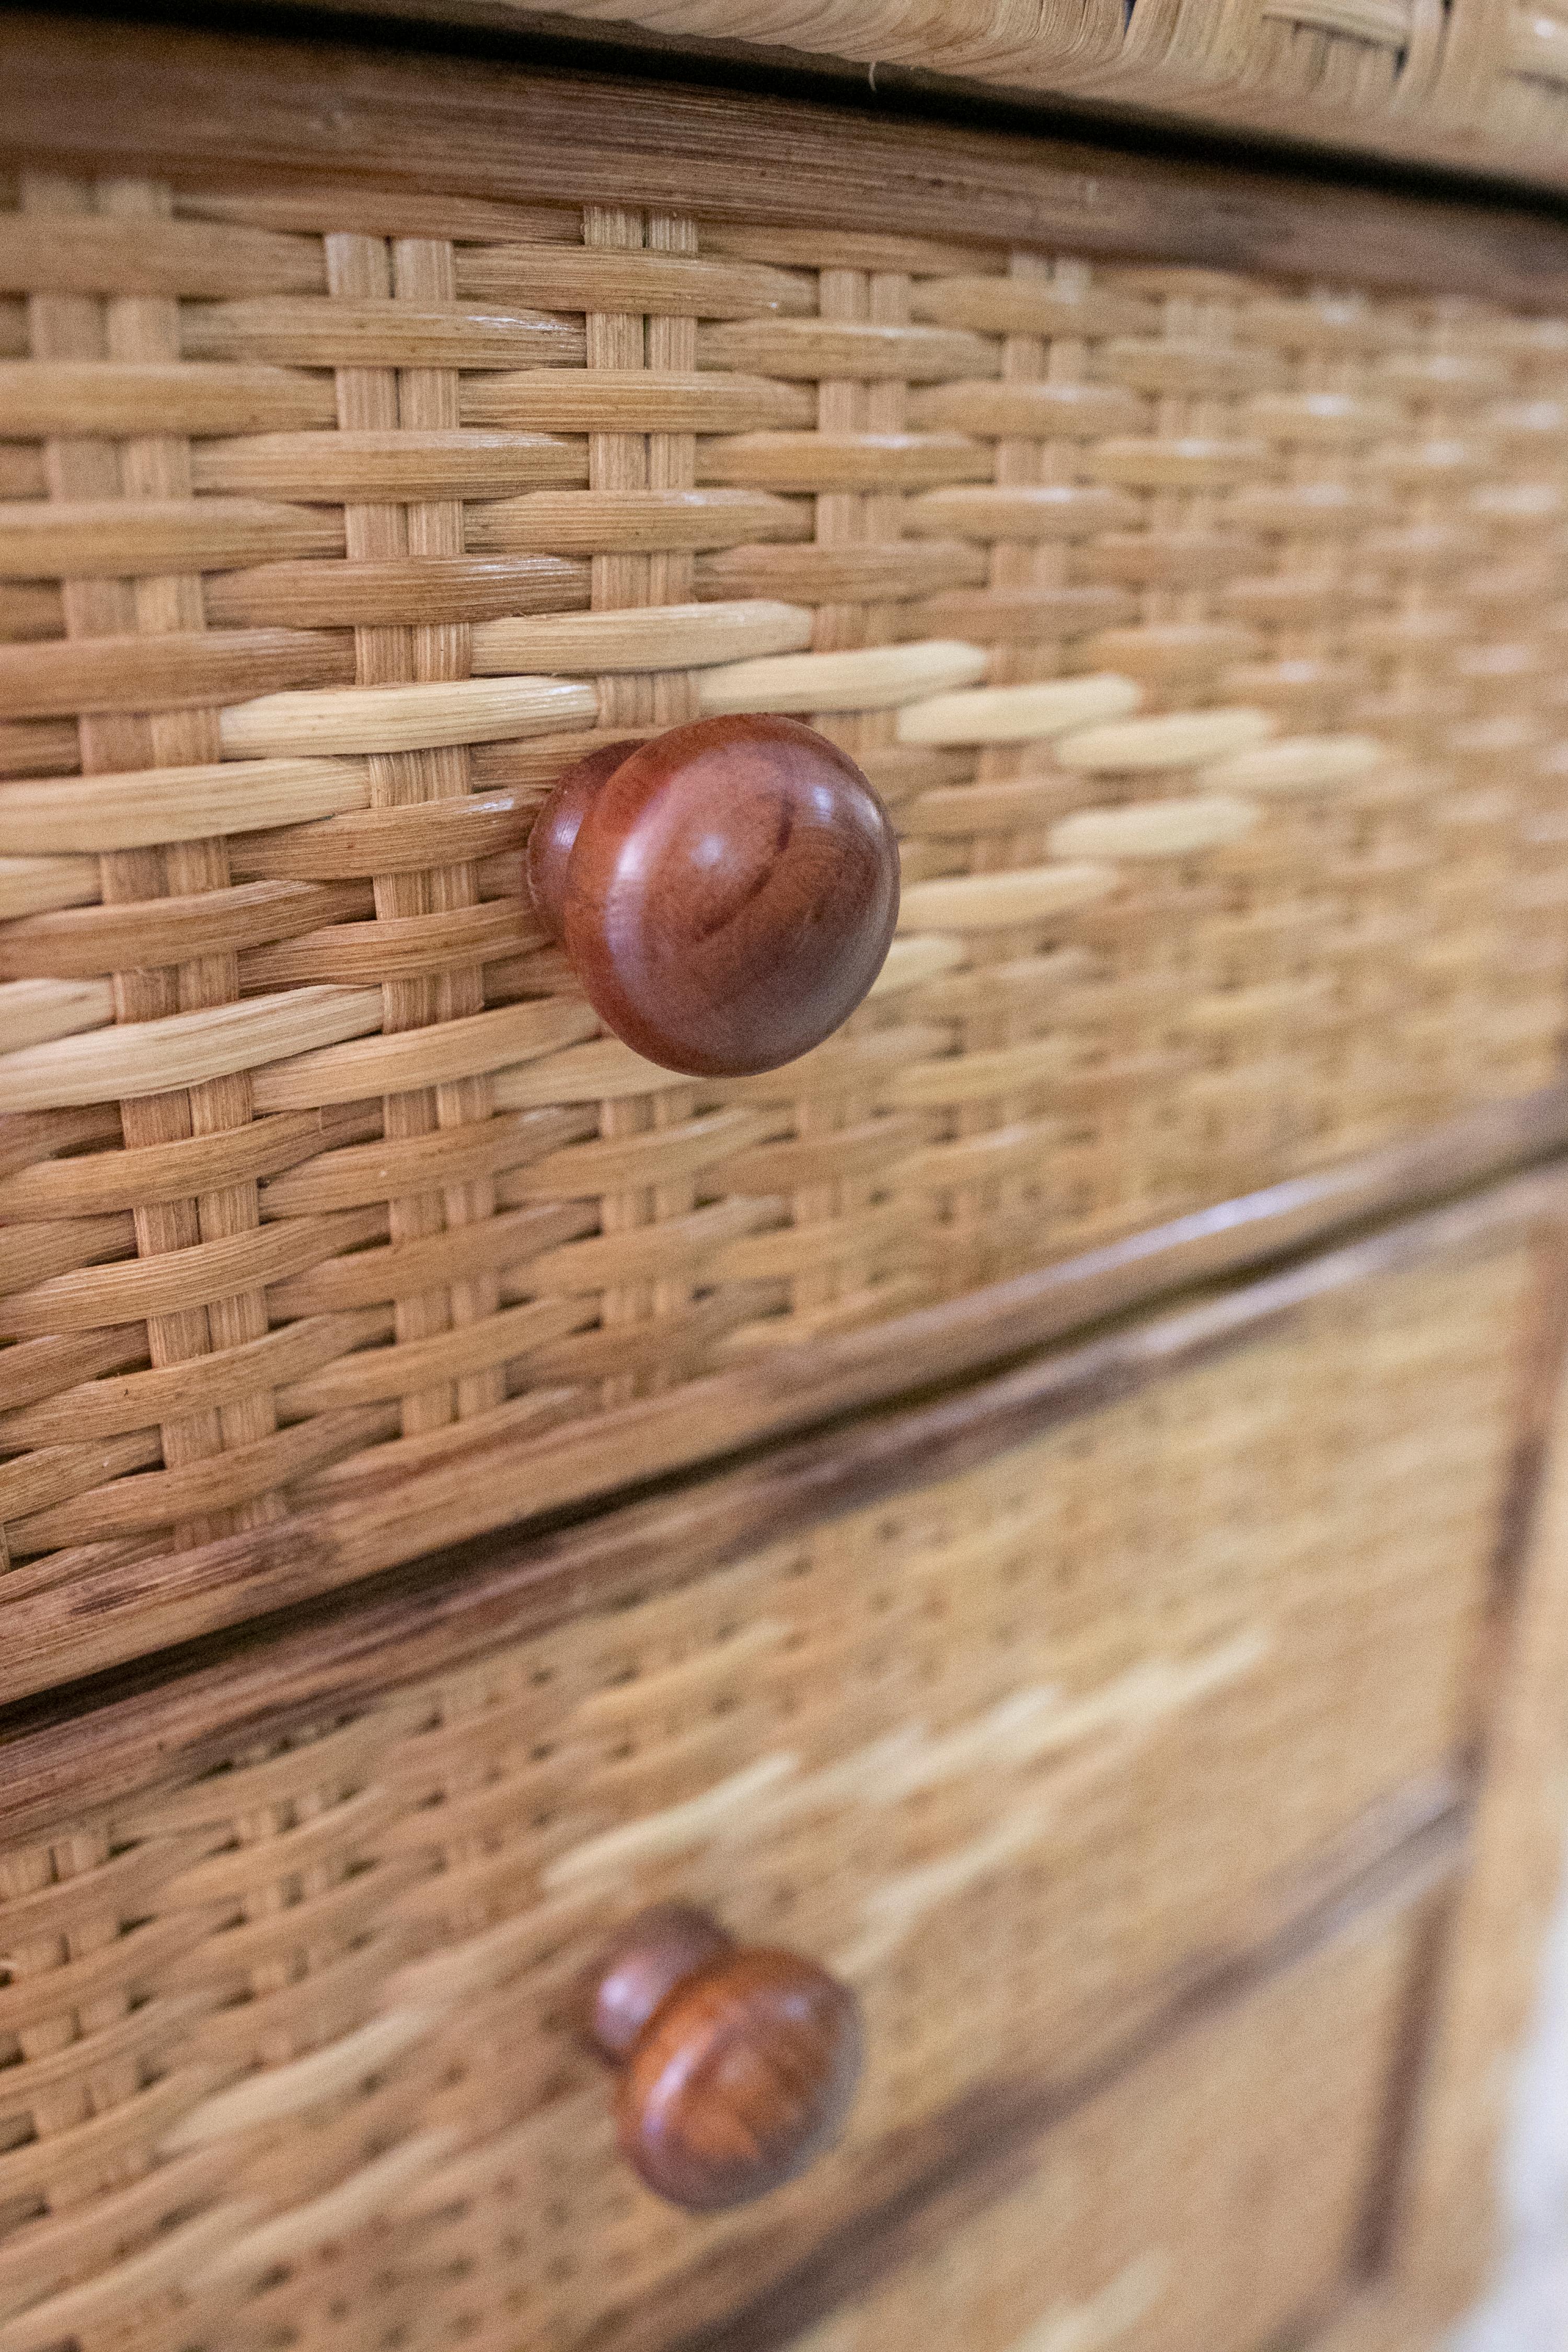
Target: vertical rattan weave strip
{"type": "Point", "coordinates": [375, 399]}
{"type": "Point", "coordinates": [158, 466]}
{"type": "Point", "coordinates": [643, 701]}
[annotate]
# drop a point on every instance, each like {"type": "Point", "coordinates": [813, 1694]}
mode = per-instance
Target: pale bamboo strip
{"type": "Point", "coordinates": [97, 813]}
{"type": "Point", "coordinates": [1074, 307]}
{"type": "Point", "coordinates": [831, 247]}
{"type": "Point", "coordinates": [868, 1240]}
{"type": "Point", "coordinates": [1327, 510]}
{"type": "Point", "coordinates": [350, 1175]}
{"type": "Point", "coordinates": [1174, 363]}
{"type": "Point", "coordinates": [819, 462]}
{"type": "Point", "coordinates": [79, 397]}
{"type": "Point", "coordinates": [1191, 464]}
{"type": "Point", "coordinates": [1296, 764]}
{"type": "Point", "coordinates": [1026, 410]}
{"type": "Point", "coordinates": [39, 885]}
{"type": "Point", "coordinates": [205, 1484]}
{"type": "Point", "coordinates": [1021, 512]}
{"type": "Point", "coordinates": [1322, 419]}
{"type": "Point", "coordinates": [913, 962]}
{"type": "Point", "coordinates": [1000, 1073]}
{"type": "Point", "coordinates": [618, 400]}
{"type": "Point", "coordinates": [478, 1044]}
{"type": "Point", "coordinates": [877, 678]}
{"type": "Point", "coordinates": [395, 592]}
{"type": "Point", "coordinates": [854, 1064]}
{"type": "Point", "coordinates": [663, 636]}
{"type": "Point", "coordinates": [402, 465]}
{"type": "Point", "coordinates": [630, 522]}
{"type": "Point", "coordinates": [865, 352]}
{"type": "Point", "coordinates": [366, 1478]}
{"type": "Point", "coordinates": [602, 1163]}
{"type": "Point", "coordinates": [108, 1178]}
{"type": "Point", "coordinates": [1012, 714]}
{"type": "Point", "coordinates": [654, 285]}
{"type": "Point", "coordinates": [135, 933]}
{"type": "Point", "coordinates": [330, 330]}
{"type": "Point", "coordinates": [483, 1249]}
{"type": "Point", "coordinates": [114, 537]}
{"type": "Point", "coordinates": [94, 253]}
{"type": "Point", "coordinates": [605, 1071]}
{"type": "Point", "coordinates": [375, 1374]}
{"type": "Point", "coordinates": [403, 718]}
{"type": "Point", "coordinates": [180, 1278]}
{"type": "Point", "coordinates": [1173, 652]}
{"type": "Point", "coordinates": [1004, 901]}
{"type": "Point", "coordinates": [180, 670]}
{"type": "Point", "coordinates": [49, 1473]}
{"type": "Point", "coordinates": [649, 1252]}
{"type": "Point", "coordinates": [107, 1408]}
{"type": "Point", "coordinates": [1174, 828]}
{"type": "Point", "coordinates": [891, 572]}
{"type": "Point", "coordinates": [1181, 739]}
{"type": "Point", "coordinates": [32, 1012]}
{"type": "Point", "coordinates": [183, 1049]}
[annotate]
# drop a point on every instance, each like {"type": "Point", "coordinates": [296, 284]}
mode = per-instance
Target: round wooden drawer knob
{"type": "Point", "coordinates": [726, 893]}
{"type": "Point", "coordinates": [737, 2066]}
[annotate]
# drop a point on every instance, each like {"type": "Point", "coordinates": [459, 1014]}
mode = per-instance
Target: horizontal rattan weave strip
{"type": "Point", "coordinates": [1016, 1751]}
{"type": "Point", "coordinates": [1203, 632]}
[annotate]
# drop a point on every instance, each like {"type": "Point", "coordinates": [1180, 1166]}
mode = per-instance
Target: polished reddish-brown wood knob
{"type": "Point", "coordinates": [737, 2066]}
{"type": "Point", "coordinates": [726, 893]}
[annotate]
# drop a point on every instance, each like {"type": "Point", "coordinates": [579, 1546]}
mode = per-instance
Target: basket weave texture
{"type": "Point", "coordinates": [1126, 2234]}
{"type": "Point", "coordinates": [285, 2035]}
{"type": "Point", "coordinates": [1205, 635]}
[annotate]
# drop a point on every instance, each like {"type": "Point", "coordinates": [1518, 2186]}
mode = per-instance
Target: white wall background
{"type": "Point", "coordinates": [1527, 2310]}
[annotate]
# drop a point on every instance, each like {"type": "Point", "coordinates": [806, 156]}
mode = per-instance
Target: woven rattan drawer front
{"type": "Point", "coordinates": [339, 517]}
{"type": "Point", "coordinates": [1024, 1754]}
{"type": "Point", "coordinates": [1209, 2202]}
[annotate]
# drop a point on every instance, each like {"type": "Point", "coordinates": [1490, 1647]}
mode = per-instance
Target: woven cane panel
{"type": "Point", "coordinates": [1204, 633]}
{"type": "Point", "coordinates": [1005, 1752]}
{"type": "Point", "coordinates": [1203, 2205]}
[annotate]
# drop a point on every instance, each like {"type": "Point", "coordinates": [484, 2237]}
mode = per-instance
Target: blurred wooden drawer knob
{"type": "Point", "coordinates": [737, 2066]}
{"type": "Point", "coordinates": [726, 893]}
